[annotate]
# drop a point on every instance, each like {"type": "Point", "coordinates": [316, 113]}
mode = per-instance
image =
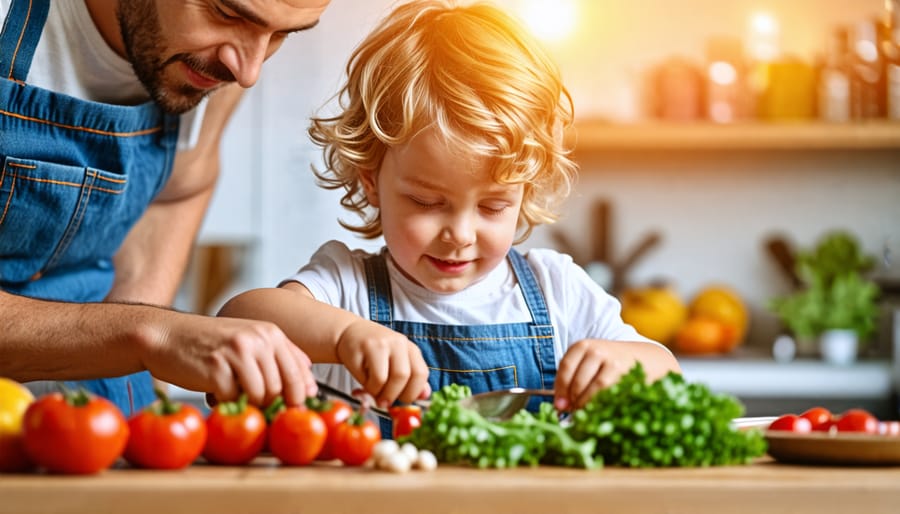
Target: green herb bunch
{"type": "Point", "coordinates": [666, 423]}
{"type": "Point", "coordinates": [669, 422]}
{"type": "Point", "coordinates": [459, 435]}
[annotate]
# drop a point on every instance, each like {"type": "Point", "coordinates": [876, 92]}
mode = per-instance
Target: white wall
{"type": "Point", "coordinates": [713, 209]}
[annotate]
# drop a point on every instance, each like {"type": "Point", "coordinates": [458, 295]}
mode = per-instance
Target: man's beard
{"type": "Point", "coordinates": [140, 26]}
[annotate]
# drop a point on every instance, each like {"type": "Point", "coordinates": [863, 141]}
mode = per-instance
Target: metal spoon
{"type": "Point", "coordinates": [502, 404]}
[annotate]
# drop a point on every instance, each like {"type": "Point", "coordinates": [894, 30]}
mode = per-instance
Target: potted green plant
{"type": "Point", "coordinates": [838, 306]}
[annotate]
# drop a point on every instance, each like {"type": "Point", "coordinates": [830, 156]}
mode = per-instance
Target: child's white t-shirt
{"type": "Point", "coordinates": [579, 308]}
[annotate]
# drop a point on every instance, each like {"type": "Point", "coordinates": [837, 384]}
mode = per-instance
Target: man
{"type": "Point", "coordinates": [97, 210]}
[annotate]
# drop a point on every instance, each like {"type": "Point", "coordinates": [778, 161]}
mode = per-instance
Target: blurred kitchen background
{"type": "Point", "coordinates": [719, 142]}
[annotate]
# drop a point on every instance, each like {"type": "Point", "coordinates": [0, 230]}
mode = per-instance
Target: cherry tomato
{"type": "Point", "coordinates": [236, 432]}
{"type": "Point", "coordinates": [297, 435]}
{"type": "Point", "coordinates": [406, 418]}
{"type": "Point", "coordinates": [333, 412]}
{"type": "Point", "coordinates": [165, 435]}
{"type": "Point", "coordinates": [857, 420]}
{"type": "Point", "coordinates": [14, 399]}
{"type": "Point", "coordinates": [354, 440]}
{"type": "Point", "coordinates": [819, 417]}
{"type": "Point", "coordinates": [75, 432]}
{"type": "Point", "coordinates": [792, 423]}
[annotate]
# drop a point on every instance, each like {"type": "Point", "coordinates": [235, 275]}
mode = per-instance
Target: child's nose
{"type": "Point", "coordinates": [460, 232]}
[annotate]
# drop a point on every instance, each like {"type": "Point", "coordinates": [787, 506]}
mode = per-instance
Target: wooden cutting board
{"type": "Point", "coordinates": [264, 487]}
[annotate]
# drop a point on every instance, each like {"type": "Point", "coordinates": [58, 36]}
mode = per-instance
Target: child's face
{"type": "Point", "coordinates": [445, 221]}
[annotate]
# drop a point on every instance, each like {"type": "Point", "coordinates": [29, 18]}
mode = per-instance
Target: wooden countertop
{"type": "Point", "coordinates": [264, 487]}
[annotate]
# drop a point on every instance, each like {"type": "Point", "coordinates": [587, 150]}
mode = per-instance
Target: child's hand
{"type": "Point", "coordinates": [587, 367]}
{"type": "Point", "coordinates": [388, 365]}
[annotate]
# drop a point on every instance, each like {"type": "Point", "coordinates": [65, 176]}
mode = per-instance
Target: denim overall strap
{"type": "Point", "coordinates": [75, 176]}
{"type": "Point", "coordinates": [381, 300]}
{"type": "Point", "coordinates": [21, 30]}
{"type": "Point", "coordinates": [483, 357]}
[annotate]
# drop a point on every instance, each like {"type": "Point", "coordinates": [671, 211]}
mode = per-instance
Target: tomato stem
{"type": "Point", "coordinates": [273, 409]}
{"type": "Point", "coordinates": [165, 407]}
{"type": "Point", "coordinates": [76, 398]}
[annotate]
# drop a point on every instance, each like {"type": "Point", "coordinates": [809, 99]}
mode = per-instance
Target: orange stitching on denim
{"type": "Point", "coordinates": [114, 180]}
{"type": "Point", "coordinates": [26, 166]}
{"type": "Point", "coordinates": [12, 189]}
{"type": "Point", "coordinates": [12, 63]}
{"type": "Point", "coordinates": [513, 366]}
{"type": "Point", "coordinates": [107, 190]}
{"type": "Point", "coordinates": [473, 339]}
{"type": "Point", "coordinates": [72, 184]}
{"type": "Point", "coordinates": [49, 181]}
{"type": "Point", "coordinates": [84, 129]}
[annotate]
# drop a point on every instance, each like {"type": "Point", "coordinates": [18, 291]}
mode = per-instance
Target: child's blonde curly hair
{"type": "Point", "coordinates": [472, 73]}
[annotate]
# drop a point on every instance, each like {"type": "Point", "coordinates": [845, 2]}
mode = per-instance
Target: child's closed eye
{"type": "Point", "coordinates": [425, 203]}
{"type": "Point", "coordinates": [494, 210]}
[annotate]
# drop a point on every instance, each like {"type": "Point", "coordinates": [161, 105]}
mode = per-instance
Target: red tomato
{"type": "Point", "coordinates": [297, 435]}
{"type": "Point", "coordinates": [74, 432]}
{"type": "Point", "coordinates": [819, 417]}
{"type": "Point", "coordinates": [889, 428]}
{"type": "Point", "coordinates": [333, 412]}
{"type": "Point", "coordinates": [792, 423]}
{"type": "Point", "coordinates": [165, 435]}
{"type": "Point", "coordinates": [236, 432]}
{"type": "Point", "coordinates": [857, 420]}
{"type": "Point", "coordinates": [406, 418]}
{"type": "Point", "coordinates": [354, 440]}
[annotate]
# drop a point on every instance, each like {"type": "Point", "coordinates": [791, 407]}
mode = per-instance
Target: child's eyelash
{"type": "Point", "coordinates": [494, 211]}
{"type": "Point", "coordinates": [423, 203]}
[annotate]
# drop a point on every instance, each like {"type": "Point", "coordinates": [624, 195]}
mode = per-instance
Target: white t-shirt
{"type": "Point", "coordinates": [579, 308]}
{"type": "Point", "coordinates": [72, 58]}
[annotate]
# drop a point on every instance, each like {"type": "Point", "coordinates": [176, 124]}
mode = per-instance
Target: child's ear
{"type": "Point", "coordinates": [369, 180]}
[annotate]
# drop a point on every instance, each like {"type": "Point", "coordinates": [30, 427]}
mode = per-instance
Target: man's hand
{"type": "Point", "coordinates": [387, 364]}
{"type": "Point", "coordinates": [227, 357]}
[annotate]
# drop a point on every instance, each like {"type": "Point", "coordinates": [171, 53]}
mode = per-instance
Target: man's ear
{"type": "Point", "coordinates": [369, 179]}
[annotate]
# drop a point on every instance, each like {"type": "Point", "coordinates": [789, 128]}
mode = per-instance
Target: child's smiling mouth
{"type": "Point", "coordinates": [447, 266]}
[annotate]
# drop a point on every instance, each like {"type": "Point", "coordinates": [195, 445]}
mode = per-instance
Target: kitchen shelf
{"type": "Point", "coordinates": [601, 136]}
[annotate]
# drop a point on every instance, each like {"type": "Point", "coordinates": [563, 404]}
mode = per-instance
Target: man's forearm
{"type": "Point", "coordinates": [41, 340]}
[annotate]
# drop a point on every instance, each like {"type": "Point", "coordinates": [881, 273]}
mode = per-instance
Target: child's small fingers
{"type": "Point", "coordinates": [568, 365]}
{"type": "Point", "coordinates": [584, 379]}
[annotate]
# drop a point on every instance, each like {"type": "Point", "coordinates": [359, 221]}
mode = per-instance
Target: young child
{"type": "Point", "coordinates": [450, 145]}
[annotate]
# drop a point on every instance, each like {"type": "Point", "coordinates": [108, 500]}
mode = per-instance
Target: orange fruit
{"type": "Point", "coordinates": [702, 336]}
{"type": "Point", "coordinates": [723, 304]}
{"type": "Point", "coordinates": [655, 312]}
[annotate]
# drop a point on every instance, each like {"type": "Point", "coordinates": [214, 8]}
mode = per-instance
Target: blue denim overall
{"type": "Point", "coordinates": [76, 177]}
{"type": "Point", "coordinates": [483, 357]}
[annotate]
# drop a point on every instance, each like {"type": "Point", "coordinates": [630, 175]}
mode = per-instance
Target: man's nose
{"type": "Point", "coordinates": [244, 58]}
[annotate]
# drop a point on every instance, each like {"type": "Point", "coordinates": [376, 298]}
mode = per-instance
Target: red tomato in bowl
{"type": "Point", "coordinates": [792, 423]}
{"type": "Point", "coordinates": [75, 432]}
{"type": "Point", "coordinates": [165, 435]}
{"type": "Point", "coordinates": [820, 418]}
{"type": "Point", "coordinates": [236, 433]}
{"type": "Point", "coordinates": [857, 420]}
{"type": "Point", "coordinates": [297, 435]}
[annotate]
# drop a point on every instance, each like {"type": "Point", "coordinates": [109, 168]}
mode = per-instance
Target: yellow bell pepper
{"type": "Point", "coordinates": [14, 400]}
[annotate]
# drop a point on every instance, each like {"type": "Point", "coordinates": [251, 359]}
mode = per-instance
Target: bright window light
{"type": "Point", "coordinates": [550, 20]}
